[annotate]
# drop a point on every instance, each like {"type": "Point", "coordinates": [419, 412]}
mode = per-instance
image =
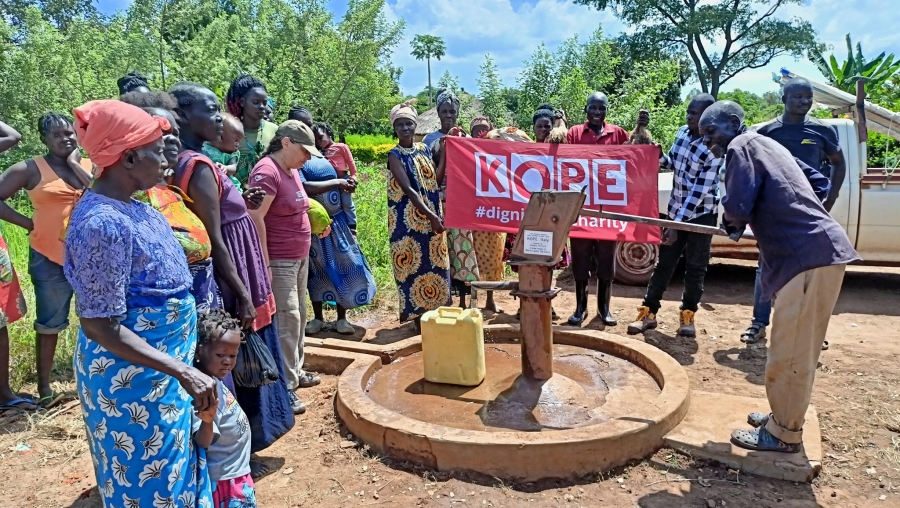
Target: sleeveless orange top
{"type": "Point", "coordinates": [53, 200]}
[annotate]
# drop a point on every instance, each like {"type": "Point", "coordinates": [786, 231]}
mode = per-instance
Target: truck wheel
{"type": "Point", "coordinates": [635, 262]}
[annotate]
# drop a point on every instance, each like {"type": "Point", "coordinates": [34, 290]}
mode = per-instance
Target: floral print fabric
{"type": "Point", "coordinates": [186, 226]}
{"type": "Point", "coordinates": [138, 420]}
{"type": "Point", "coordinates": [121, 255]}
{"type": "Point", "coordinates": [420, 258]}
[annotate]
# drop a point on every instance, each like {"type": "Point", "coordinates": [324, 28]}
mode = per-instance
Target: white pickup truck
{"type": "Point", "coordinates": [868, 208]}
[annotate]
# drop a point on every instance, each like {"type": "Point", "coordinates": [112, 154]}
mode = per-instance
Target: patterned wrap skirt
{"type": "Point", "coordinates": [138, 420]}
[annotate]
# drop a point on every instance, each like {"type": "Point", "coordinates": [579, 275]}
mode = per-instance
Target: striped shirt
{"type": "Point", "coordinates": [695, 189]}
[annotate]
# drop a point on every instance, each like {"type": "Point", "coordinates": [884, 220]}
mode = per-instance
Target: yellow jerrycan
{"type": "Point", "coordinates": [453, 346]}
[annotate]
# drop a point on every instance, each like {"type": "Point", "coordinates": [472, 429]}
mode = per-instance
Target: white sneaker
{"type": "Point", "coordinates": [314, 326]}
{"type": "Point", "coordinates": [343, 327]}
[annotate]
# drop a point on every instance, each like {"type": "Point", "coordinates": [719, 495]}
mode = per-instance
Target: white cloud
{"type": "Point", "coordinates": [509, 31]}
{"type": "Point", "coordinates": [868, 22]}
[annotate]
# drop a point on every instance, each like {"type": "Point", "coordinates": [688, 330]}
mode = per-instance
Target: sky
{"type": "Point", "coordinates": [510, 30]}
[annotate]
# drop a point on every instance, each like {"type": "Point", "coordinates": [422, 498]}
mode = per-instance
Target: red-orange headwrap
{"type": "Point", "coordinates": [106, 129]}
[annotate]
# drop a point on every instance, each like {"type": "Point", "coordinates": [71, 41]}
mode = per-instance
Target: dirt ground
{"type": "Point", "coordinates": [44, 457]}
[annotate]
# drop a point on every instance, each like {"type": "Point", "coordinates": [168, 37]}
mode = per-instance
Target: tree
{"type": "Point", "coordinates": [632, 50]}
{"type": "Point", "coordinates": [426, 47]}
{"type": "Point", "coordinates": [749, 33]}
{"type": "Point", "coordinates": [757, 109]}
{"type": "Point", "coordinates": [493, 102]}
{"type": "Point", "coordinates": [537, 83]}
{"type": "Point", "coordinates": [875, 73]}
{"type": "Point", "coordinates": [448, 81]}
{"type": "Point", "coordinates": [58, 12]}
{"type": "Point", "coordinates": [339, 68]}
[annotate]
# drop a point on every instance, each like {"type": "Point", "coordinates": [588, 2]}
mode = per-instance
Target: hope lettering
{"type": "Point", "coordinates": [517, 176]}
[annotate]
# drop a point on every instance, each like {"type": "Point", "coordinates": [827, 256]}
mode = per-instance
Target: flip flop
{"type": "Point", "coordinates": [51, 400]}
{"type": "Point", "coordinates": [16, 403]}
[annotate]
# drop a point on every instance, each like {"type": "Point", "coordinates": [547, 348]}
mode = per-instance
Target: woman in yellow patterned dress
{"type": "Point", "coordinates": [12, 303]}
{"type": "Point", "coordinates": [488, 245]}
{"type": "Point", "coordinates": [415, 222]}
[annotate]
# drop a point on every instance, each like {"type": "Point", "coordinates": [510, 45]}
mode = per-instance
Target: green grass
{"type": "Point", "coordinates": [370, 199]}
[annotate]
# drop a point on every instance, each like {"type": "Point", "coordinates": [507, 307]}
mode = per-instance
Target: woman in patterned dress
{"type": "Point", "coordinates": [169, 201]}
{"type": "Point", "coordinates": [135, 349]}
{"type": "Point", "coordinates": [12, 304]}
{"type": "Point", "coordinates": [415, 223]}
{"type": "Point", "coordinates": [460, 242]}
{"type": "Point", "coordinates": [488, 244]}
{"type": "Point", "coordinates": [338, 271]}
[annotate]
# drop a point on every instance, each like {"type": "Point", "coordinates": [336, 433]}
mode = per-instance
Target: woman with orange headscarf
{"type": "Point", "coordinates": [135, 350]}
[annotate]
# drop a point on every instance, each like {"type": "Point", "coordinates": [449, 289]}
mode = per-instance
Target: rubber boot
{"type": "Point", "coordinates": [604, 294]}
{"type": "Point", "coordinates": [580, 313]}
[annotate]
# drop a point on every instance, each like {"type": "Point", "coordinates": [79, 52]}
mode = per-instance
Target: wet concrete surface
{"type": "Point", "coordinates": [588, 387]}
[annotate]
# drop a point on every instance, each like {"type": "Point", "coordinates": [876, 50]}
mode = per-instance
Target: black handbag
{"type": "Point", "coordinates": [255, 365]}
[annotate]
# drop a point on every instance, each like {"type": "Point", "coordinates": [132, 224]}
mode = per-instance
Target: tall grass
{"type": "Point", "coordinates": [21, 333]}
{"type": "Point", "coordinates": [370, 199]}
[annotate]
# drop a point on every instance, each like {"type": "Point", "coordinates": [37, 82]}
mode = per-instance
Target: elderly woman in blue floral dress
{"type": "Point", "coordinates": [134, 354]}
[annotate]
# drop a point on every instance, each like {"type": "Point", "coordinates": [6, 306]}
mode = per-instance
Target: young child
{"type": "Point", "coordinates": [223, 430]}
{"type": "Point", "coordinates": [338, 154]}
{"type": "Point", "coordinates": [225, 152]}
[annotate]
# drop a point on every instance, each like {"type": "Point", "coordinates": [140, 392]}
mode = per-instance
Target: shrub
{"type": "Point", "coordinates": [371, 154]}
{"type": "Point", "coordinates": [370, 148]}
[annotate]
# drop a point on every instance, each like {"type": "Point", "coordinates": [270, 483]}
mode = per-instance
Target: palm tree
{"type": "Point", "coordinates": [874, 73]}
{"type": "Point", "coordinates": [426, 47]}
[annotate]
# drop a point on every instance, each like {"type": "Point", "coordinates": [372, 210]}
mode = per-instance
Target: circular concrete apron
{"type": "Point", "coordinates": [611, 400]}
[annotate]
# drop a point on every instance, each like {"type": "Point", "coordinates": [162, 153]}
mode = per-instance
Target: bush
{"type": "Point", "coordinates": [371, 154]}
{"type": "Point", "coordinates": [370, 149]}
{"type": "Point", "coordinates": [883, 151]}
{"type": "Point", "coordinates": [368, 139]}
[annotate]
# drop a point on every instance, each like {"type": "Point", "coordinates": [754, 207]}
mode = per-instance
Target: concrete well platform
{"type": "Point", "coordinates": [706, 433]}
{"type": "Point", "coordinates": [604, 429]}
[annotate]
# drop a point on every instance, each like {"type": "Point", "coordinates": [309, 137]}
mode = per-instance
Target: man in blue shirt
{"type": "Point", "coordinates": [695, 199]}
{"type": "Point", "coordinates": [805, 253]}
{"type": "Point", "coordinates": [814, 143]}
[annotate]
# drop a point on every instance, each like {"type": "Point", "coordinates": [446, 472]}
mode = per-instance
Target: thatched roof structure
{"type": "Point", "coordinates": [429, 121]}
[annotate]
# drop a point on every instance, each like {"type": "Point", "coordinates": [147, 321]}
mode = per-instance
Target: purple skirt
{"type": "Point", "coordinates": [242, 240]}
{"type": "Point", "coordinates": [268, 408]}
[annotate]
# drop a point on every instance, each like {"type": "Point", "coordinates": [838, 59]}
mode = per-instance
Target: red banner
{"type": "Point", "coordinates": [489, 183]}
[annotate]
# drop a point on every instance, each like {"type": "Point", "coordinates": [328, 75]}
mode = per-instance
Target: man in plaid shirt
{"type": "Point", "coordinates": [695, 199]}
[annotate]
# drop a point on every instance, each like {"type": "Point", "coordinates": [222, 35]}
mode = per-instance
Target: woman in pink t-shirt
{"type": "Point", "coordinates": [284, 232]}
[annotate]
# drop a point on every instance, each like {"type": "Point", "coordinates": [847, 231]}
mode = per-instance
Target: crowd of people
{"type": "Point", "coordinates": [188, 230]}
{"type": "Point", "coordinates": [782, 180]}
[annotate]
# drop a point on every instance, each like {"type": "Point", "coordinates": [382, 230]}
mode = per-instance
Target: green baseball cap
{"type": "Point", "coordinates": [298, 132]}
